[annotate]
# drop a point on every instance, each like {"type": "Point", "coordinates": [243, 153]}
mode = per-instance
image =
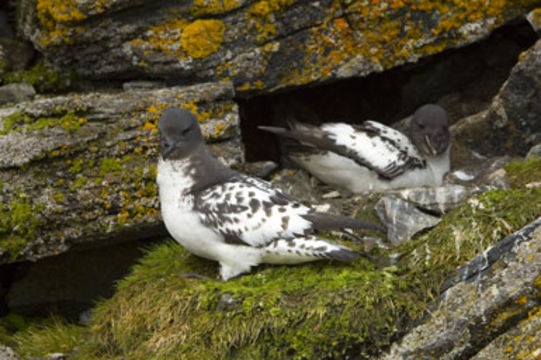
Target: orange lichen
{"type": "Point", "coordinates": [212, 7]}
{"type": "Point", "coordinates": [261, 16]}
{"type": "Point", "coordinates": [56, 18]}
{"type": "Point", "coordinates": [202, 37]}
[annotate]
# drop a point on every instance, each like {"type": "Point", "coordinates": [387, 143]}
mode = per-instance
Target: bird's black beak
{"type": "Point", "coordinates": [167, 147]}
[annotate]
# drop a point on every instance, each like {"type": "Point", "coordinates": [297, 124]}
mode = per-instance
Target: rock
{"type": "Point", "coordinates": [142, 85]}
{"type": "Point", "coordinates": [261, 169]}
{"type": "Point", "coordinates": [495, 291]}
{"type": "Point", "coordinates": [534, 152]}
{"type": "Point", "coordinates": [18, 54]}
{"type": "Point", "coordinates": [402, 219]}
{"type": "Point", "coordinates": [497, 179]}
{"type": "Point", "coordinates": [534, 18]}
{"type": "Point", "coordinates": [258, 45]}
{"type": "Point", "coordinates": [299, 185]}
{"type": "Point", "coordinates": [520, 342]}
{"type": "Point", "coordinates": [512, 120]}
{"type": "Point", "coordinates": [16, 93]}
{"type": "Point", "coordinates": [89, 163]}
{"type": "Point", "coordinates": [6, 353]}
{"type": "Point", "coordinates": [439, 199]}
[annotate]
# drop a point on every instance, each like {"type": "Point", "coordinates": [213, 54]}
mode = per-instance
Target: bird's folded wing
{"type": "Point", "coordinates": [251, 212]}
{"type": "Point", "coordinates": [380, 148]}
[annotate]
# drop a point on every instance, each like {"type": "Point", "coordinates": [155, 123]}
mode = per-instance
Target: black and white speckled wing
{"type": "Point", "coordinates": [250, 211]}
{"type": "Point", "coordinates": [380, 148]}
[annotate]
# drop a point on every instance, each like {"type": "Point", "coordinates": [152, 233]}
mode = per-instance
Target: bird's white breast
{"type": "Point", "coordinates": [182, 222]}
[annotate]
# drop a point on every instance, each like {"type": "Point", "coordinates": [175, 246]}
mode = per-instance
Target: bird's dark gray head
{"type": "Point", "coordinates": [180, 134]}
{"type": "Point", "coordinates": [429, 130]}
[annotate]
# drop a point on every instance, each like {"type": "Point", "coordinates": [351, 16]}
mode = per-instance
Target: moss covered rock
{"type": "Point", "coordinates": [260, 45]}
{"type": "Point", "coordinates": [81, 167]}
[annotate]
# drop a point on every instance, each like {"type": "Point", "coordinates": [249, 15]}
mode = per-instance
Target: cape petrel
{"type": "Point", "coordinates": [373, 156]}
{"type": "Point", "coordinates": [237, 220]}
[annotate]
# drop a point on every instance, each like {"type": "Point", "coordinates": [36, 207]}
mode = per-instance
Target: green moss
{"type": "Point", "coordinates": [47, 336]}
{"type": "Point", "coordinates": [68, 121]}
{"type": "Point", "coordinates": [19, 221]}
{"type": "Point", "coordinates": [43, 78]}
{"type": "Point", "coordinates": [12, 121]}
{"type": "Point", "coordinates": [109, 167]}
{"type": "Point", "coordinates": [524, 172]}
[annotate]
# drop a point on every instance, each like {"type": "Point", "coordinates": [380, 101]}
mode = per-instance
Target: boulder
{"type": "Point", "coordinates": [258, 45]}
{"type": "Point", "coordinates": [402, 219]}
{"type": "Point", "coordinates": [512, 120]}
{"type": "Point", "coordinates": [493, 294]}
{"type": "Point", "coordinates": [16, 93]}
{"type": "Point", "coordinates": [81, 167]}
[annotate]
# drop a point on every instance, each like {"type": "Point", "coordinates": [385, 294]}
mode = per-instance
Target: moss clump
{"type": "Point", "coordinates": [43, 78]}
{"type": "Point", "coordinates": [11, 121]}
{"type": "Point", "coordinates": [44, 336]}
{"type": "Point", "coordinates": [522, 173]}
{"type": "Point", "coordinates": [19, 221]}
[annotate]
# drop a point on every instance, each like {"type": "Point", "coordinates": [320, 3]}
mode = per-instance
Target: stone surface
{"type": "Point", "coordinates": [491, 295]}
{"type": "Point", "coordinates": [6, 353]}
{"type": "Point", "coordinates": [16, 93]}
{"type": "Point", "coordinates": [439, 199]}
{"type": "Point", "coordinates": [513, 117]}
{"type": "Point", "coordinates": [17, 54]}
{"type": "Point", "coordinates": [520, 342]}
{"type": "Point", "coordinates": [402, 219]}
{"type": "Point", "coordinates": [89, 164]}
{"type": "Point", "coordinates": [534, 18]}
{"type": "Point", "coordinates": [259, 45]}
{"type": "Point", "coordinates": [535, 151]}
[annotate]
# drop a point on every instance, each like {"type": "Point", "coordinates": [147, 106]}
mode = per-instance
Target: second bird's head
{"type": "Point", "coordinates": [180, 134]}
{"type": "Point", "coordinates": [430, 130]}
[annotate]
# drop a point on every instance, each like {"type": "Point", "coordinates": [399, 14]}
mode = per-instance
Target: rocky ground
{"type": "Point", "coordinates": [457, 274]}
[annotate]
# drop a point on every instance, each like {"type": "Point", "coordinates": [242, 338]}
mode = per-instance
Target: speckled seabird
{"type": "Point", "coordinates": [237, 220]}
{"type": "Point", "coordinates": [373, 156]}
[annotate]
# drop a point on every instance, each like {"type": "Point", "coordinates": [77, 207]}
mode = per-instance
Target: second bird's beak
{"type": "Point", "coordinates": [430, 146]}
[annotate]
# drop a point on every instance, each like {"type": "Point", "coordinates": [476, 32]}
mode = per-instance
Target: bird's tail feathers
{"type": "Point", "coordinates": [323, 221]}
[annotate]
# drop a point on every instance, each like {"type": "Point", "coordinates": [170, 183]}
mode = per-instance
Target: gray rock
{"type": "Point", "coordinates": [16, 93]}
{"type": "Point", "coordinates": [492, 293]}
{"type": "Point", "coordinates": [142, 85]}
{"type": "Point", "coordinates": [7, 353]}
{"type": "Point", "coordinates": [497, 179]}
{"type": "Point", "coordinates": [439, 199]}
{"type": "Point", "coordinates": [512, 117]}
{"type": "Point", "coordinates": [257, 45]}
{"type": "Point", "coordinates": [534, 152]}
{"type": "Point", "coordinates": [89, 163]}
{"type": "Point", "coordinates": [261, 169]}
{"type": "Point", "coordinates": [534, 18]}
{"type": "Point", "coordinates": [18, 54]}
{"type": "Point", "coordinates": [299, 185]}
{"type": "Point", "coordinates": [402, 219]}
{"type": "Point", "coordinates": [520, 342]}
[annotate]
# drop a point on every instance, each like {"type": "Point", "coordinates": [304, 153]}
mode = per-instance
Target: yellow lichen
{"type": "Point", "coordinates": [202, 37]}
{"type": "Point", "coordinates": [56, 18]}
{"type": "Point", "coordinates": [212, 7]}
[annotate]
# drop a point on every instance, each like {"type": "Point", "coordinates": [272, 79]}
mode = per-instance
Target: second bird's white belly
{"type": "Point", "coordinates": [337, 170]}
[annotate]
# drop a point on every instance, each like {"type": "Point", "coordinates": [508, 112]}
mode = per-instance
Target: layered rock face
{"type": "Point", "coordinates": [260, 46]}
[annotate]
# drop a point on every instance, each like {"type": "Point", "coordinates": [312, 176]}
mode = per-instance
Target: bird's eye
{"type": "Point", "coordinates": [185, 131]}
{"type": "Point", "coordinates": [421, 126]}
